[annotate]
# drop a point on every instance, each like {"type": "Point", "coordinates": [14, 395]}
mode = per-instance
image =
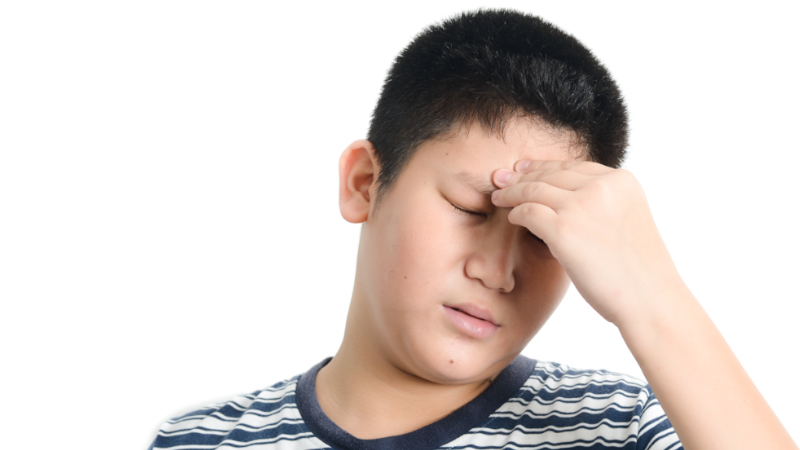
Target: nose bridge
{"type": "Point", "coordinates": [499, 253]}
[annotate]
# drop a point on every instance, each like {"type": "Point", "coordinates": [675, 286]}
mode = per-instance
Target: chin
{"type": "Point", "coordinates": [459, 362]}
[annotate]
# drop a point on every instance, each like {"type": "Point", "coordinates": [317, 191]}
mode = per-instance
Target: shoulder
{"type": "Point", "coordinates": [568, 391]}
{"type": "Point", "coordinates": [550, 378]}
{"type": "Point", "coordinates": [268, 415]}
{"type": "Point", "coordinates": [571, 406]}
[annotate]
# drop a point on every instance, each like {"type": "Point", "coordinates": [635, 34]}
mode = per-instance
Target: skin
{"type": "Point", "coordinates": [403, 364]}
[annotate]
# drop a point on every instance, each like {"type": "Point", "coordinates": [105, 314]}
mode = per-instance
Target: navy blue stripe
{"type": "Point", "coordinates": [650, 443]}
{"type": "Point", "coordinates": [237, 434]}
{"type": "Point", "coordinates": [534, 421]}
{"type": "Point", "coordinates": [551, 427]}
{"type": "Point", "coordinates": [568, 399]}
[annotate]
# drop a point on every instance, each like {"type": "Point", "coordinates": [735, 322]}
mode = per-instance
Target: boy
{"type": "Point", "coordinates": [487, 184]}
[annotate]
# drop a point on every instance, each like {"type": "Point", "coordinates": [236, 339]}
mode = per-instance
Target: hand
{"type": "Point", "coordinates": [597, 224]}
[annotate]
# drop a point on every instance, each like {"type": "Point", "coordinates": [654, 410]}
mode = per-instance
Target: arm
{"type": "Point", "coordinates": [705, 392]}
{"type": "Point", "coordinates": [597, 223]}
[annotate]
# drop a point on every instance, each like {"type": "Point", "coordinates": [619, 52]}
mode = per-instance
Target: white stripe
{"type": "Point", "coordinates": [546, 439]}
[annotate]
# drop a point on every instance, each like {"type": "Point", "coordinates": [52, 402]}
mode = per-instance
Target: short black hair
{"type": "Point", "coordinates": [487, 66]}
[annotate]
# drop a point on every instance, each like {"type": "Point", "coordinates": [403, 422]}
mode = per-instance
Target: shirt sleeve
{"type": "Point", "coordinates": [655, 430]}
{"type": "Point", "coordinates": [189, 430]}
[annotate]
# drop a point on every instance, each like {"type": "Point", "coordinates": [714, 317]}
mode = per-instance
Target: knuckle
{"type": "Point", "coordinates": [518, 214]}
{"type": "Point", "coordinates": [599, 185]}
{"type": "Point", "coordinates": [532, 211]}
{"type": "Point", "coordinates": [528, 208]}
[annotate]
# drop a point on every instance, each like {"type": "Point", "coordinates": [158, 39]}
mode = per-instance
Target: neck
{"type": "Point", "coordinates": [370, 398]}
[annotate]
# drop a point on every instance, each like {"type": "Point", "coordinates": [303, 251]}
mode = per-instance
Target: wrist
{"type": "Point", "coordinates": [669, 303]}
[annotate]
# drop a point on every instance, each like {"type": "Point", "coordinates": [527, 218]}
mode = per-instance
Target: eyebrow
{"type": "Point", "coordinates": [476, 182]}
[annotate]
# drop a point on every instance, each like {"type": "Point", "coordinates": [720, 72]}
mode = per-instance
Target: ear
{"type": "Point", "coordinates": [358, 170]}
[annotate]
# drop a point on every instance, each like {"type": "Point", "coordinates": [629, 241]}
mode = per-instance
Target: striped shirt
{"type": "Point", "coordinates": [530, 405]}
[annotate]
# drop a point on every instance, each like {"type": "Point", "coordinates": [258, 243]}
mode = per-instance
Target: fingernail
{"type": "Point", "coordinates": [495, 195]}
{"type": "Point", "coordinates": [522, 165]}
{"type": "Point", "coordinates": [502, 176]}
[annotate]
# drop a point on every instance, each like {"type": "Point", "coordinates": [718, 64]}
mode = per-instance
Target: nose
{"type": "Point", "coordinates": [494, 259]}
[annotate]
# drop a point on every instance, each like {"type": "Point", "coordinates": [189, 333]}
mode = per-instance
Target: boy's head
{"type": "Point", "coordinates": [484, 68]}
{"type": "Point", "coordinates": [446, 288]}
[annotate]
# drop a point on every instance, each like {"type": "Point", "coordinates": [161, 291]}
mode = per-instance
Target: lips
{"type": "Point", "coordinates": [471, 320]}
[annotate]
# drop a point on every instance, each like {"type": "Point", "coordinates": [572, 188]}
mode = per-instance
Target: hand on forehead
{"type": "Point", "coordinates": [543, 170]}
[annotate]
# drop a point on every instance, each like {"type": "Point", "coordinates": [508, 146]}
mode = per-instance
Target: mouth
{"type": "Point", "coordinates": [471, 320]}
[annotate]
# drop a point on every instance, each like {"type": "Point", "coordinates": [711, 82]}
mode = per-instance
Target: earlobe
{"type": "Point", "coordinates": [358, 171]}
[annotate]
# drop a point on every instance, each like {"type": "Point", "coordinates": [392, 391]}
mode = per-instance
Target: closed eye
{"type": "Point", "coordinates": [477, 214]}
{"type": "Point", "coordinates": [468, 213]}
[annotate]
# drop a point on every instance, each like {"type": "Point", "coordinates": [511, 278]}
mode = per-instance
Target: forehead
{"type": "Point", "coordinates": [474, 151]}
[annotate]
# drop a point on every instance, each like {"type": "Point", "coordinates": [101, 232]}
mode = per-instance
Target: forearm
{"type": "Point", "coordinates": [705, 391]}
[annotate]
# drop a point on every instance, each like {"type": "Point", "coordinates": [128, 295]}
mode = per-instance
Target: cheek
{"type": "Point", "coordinates": [417, 257]}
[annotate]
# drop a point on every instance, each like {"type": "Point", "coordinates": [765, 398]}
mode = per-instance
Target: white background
{"type": "Point", "coordinates": [169, 225]}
